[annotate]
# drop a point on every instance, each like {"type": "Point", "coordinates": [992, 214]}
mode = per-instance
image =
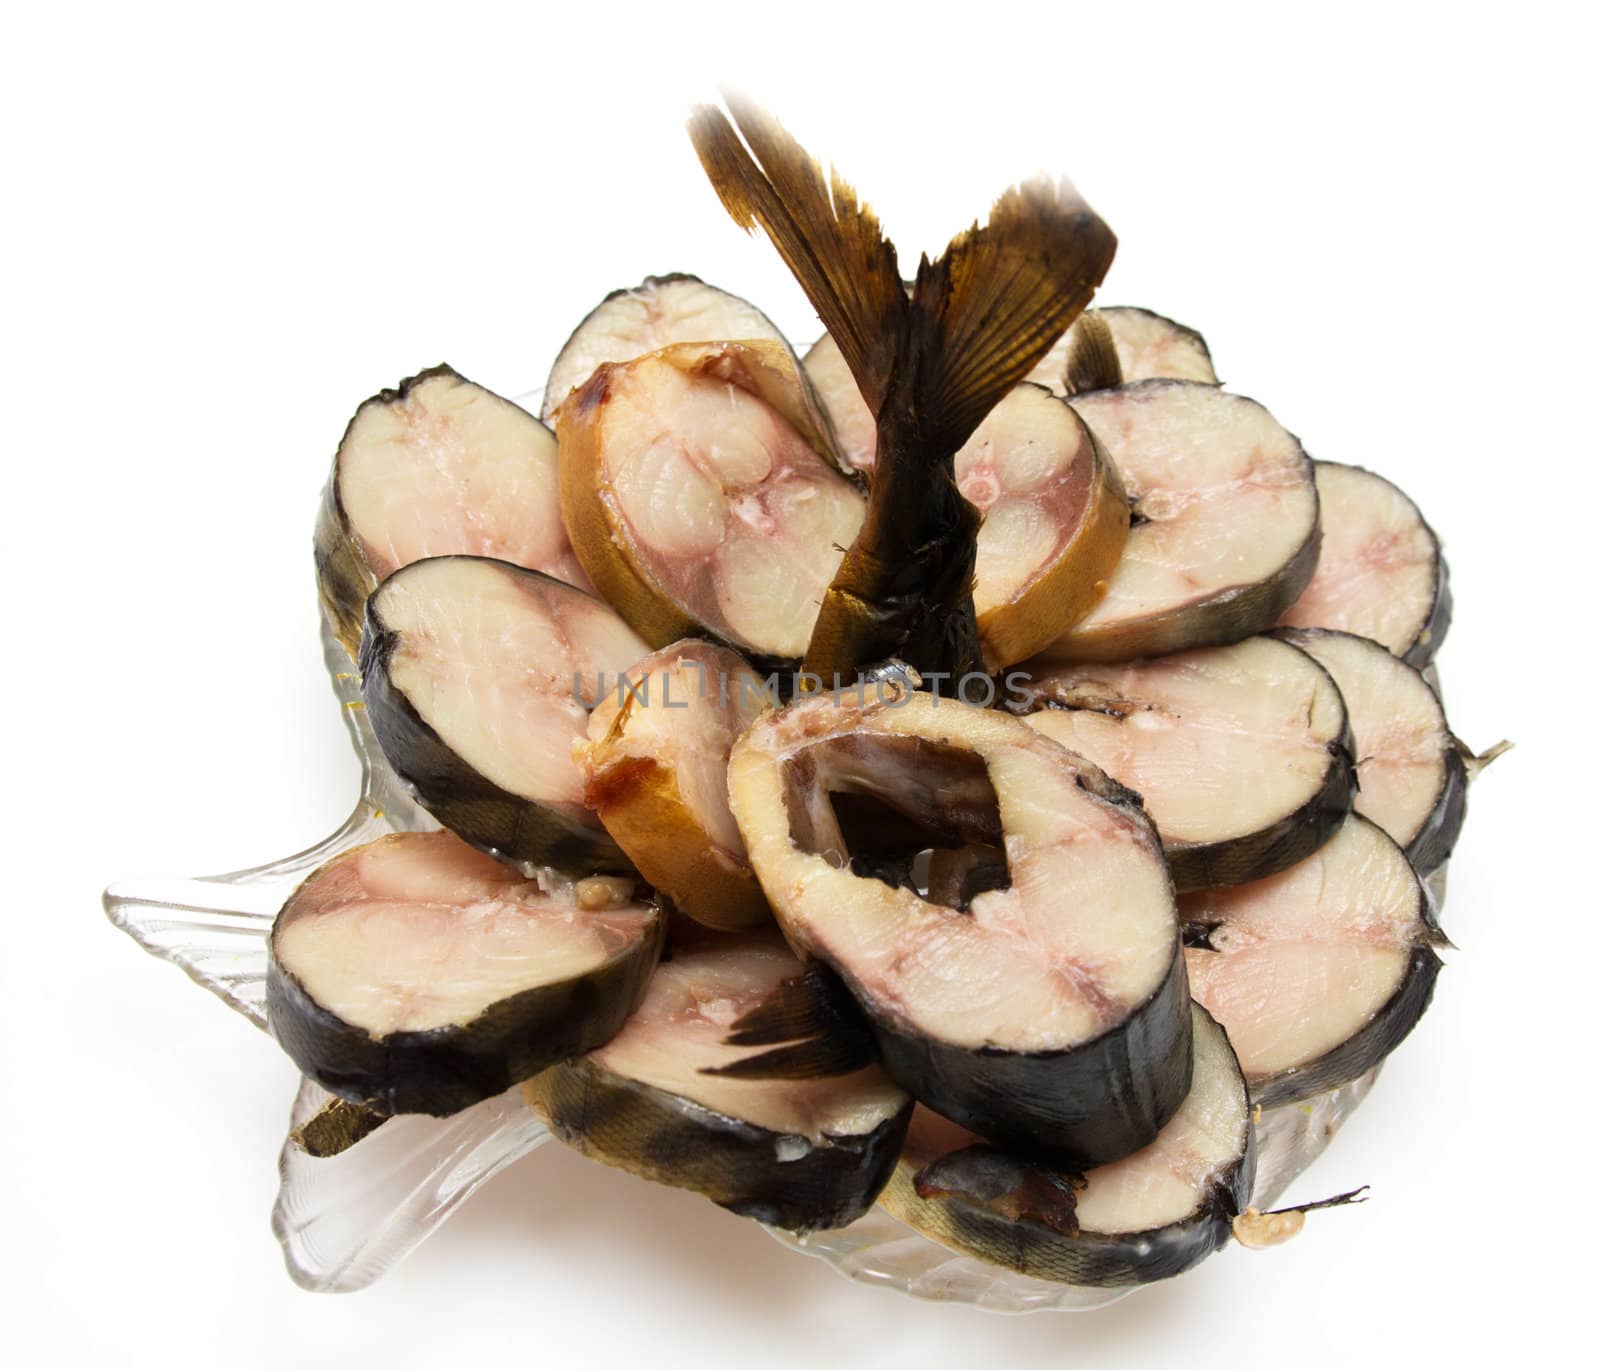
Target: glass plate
{"type": "Point", "coordinates": [343, 1221]}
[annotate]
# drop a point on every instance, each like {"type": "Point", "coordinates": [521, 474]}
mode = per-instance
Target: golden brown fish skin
{"type": "Point", "coordinates": [1072, 586]}
{"type": "Point", "coordinates": [640, 801]}
{"type": "Point", "coordinates": [672, 1140]}
{"type": "Point", "coordinates": [930, 365]}
{"type": "Point", "coordinates": [767, 370]}
{"type": "Point", "coordinates": [739, 319]}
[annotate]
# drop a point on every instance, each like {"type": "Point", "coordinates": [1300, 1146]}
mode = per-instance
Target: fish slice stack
{"type": "Point", "coordinates": [973, 768]}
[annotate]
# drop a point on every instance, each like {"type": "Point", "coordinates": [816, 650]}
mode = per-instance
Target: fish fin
{"type": "Point", "coordinates": [337, 1126]}
{"type": "Point", "coordinates": [1092, 362]}
{"type": "Point", "coordinates": [986, 312]}
{"type": "Point", "coordinates": [832, 242]}
{"type": "Point", "coordinates": [1350, 1196]}
{"type": "Point", "coordinates": [1476, 762]}
{"type": "Point", "coordinates": [1256, 1230]}
{"type": "Point", "coordinates": [800, 1006]}
{"type": "Point", "coordinates": [813, 1026]}
{"type": "Point", "coordinates": [817, 1058]}
{"type": "Point", "coordinates": [1016, 1187]}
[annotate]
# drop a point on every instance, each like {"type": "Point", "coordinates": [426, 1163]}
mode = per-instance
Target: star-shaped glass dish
{"type": "Point", "coordinates": [345, 1220]}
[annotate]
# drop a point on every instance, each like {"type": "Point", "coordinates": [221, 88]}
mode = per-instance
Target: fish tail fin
{"type": "Point", "coordinates": [832, 242]}
{"type": "Point", "coordinates": [978, 319]}
{"type": "Point", "coordinates": [986, 312]}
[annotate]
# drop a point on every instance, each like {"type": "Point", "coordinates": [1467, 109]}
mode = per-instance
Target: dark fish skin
{"type": "Point", "coordinates": [1083, 1103]}
{"type": "Point", "coordinates": [1389, 1026]}
{"type": "Point", "coordinates": [1062, 1252]}
{"type": "Point", "coordinates": [441, 1071]}
{"type": "Point", "coordinates": [1227, 616]}
{"type": "Point", "coordinates": [1421, 651]}
{"type": "Point", "coordinates": [1052, 1103]}
{"type": "Point", "coordinates": [1422, 648]}
{"type": "Point", "coordinates": [1284, 843]}
{"type": "Point", "coordinates": [468, 803]}
{"type": "Point", "coordinates": [1254, 856]}
{"type": "Point", "coordinates": [664, 1137]}
{"type": "Point", "coordinates": [344, 580]}
{"type": "Point", "coordinates": [1436, 839]}
{"type": "Point", "coordinates": [1355, 1056]}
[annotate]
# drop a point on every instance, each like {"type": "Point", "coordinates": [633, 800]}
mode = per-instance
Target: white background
{"type": "Point", "coordinates": [223, 230]}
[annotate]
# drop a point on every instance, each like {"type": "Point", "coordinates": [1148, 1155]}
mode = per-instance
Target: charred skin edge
{"type": "Point", "coordinates": [472, 806]}
{"type": "Point", "coordinates": [638, 800]}
{"type": "Point", "coordinates": [1042, 1094]}
{"type": "Point", "coordinates": [1015, 631]}
{"type": "Point", "coordinates": [1356, 1055]}
{"type": "Point", "coordinates": [1231, 615]}
{"type": "Point", "coordinates": [626, 585]}
{"type": "Point", "coordinates": [731, 1162]}
{"type": "Point", "coordinates": [441, 1071]}
{"type": "Point", "coordinates": [1096, 1259]}
{"type": "Point", "coordinates": [1421, 649]}
{"type": "Point", "coordinates": [1430, 848]}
